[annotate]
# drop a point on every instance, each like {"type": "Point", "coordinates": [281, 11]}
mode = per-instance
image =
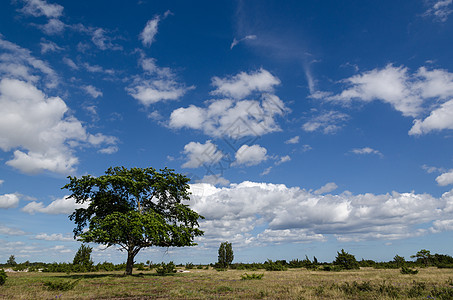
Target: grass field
{"type": "Point", "coordinates": [366, 283]}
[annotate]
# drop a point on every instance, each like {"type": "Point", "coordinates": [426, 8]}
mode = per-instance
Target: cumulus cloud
{"type": "Point", "coordinates": [10, 231]}
{"type": "Point", "coordinates": [366, 150]}
{"type": "Point", "coordinates": [250, 155]}
{"type": "Point", "coordinates": [445, 178]}
{"type": "Point", "coordinates": [92, 91]}
{"type": "Point", "coordinates": [328, 122]}
{"type": "Point", "coordinates": [17, 62]}
{"type": "Point", "coordinates": [53, 27]}
{"type": "Point", "coordinates": [214, 180]}
{"type": "Point", "coordinates": [243, 84]}
{"type": "Point", "coordinates": [293, 140]}
{"type": "Point", "coordinates": [413, 94]}
{"type": "Point", "coordinates": [327, 188]}
{"type": "Point", "coordinates": [48, 46]}
{"type": "Point", "coordinates": [64, 205]}
{"type": "Point", "coordinates": [439, 119]}
{"type": "Point", "coordinates": [101, 40]}
{"type": "Point", "coordinates": [283, 159]}
{"type": "Point", "coordinates": [230, 118]}
{"type": "Point", "coordinates": [262, 213]}
{"type": "Point", "coordinates": [156, 84]}
{"type": "Point", "coordinates": [41, 129]}
{"type": "Point", "coordinates": [54, 237]}
{"type": "Point", "coordinates": [199, 154]}
{"type": "Point", "coordinates": [39, 8]}
{"type": "Point", "coordinates": [9, 200]}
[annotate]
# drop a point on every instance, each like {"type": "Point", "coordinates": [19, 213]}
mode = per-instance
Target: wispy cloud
{"type": "Point", "coordinates": [440, 10]}
{"type": "Point", "coordinates": [366, 151]}
{"type": "Point", "coordinates": [247, 37]}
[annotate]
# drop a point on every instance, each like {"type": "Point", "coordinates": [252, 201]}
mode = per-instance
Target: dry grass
{"type": "Point", "coordinates": [210, 284]}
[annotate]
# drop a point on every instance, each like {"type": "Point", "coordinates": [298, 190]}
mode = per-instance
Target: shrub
{"type": "Point", "coordinates": [3, 277]}
{"type": "Point", "coordinates": [60, 285]}
{"type": "Point", "coordinates": [166, 269]}
{"type": "Point", "coordinates": [269, 265]}
{"type": "Point", "coordinates": [346, 261]}
{"type": "Point", "coordinates": [406, 270]}
{"type": "Point", "coordinates": [252, 276]}
{"type": "Point", "coordinates": [189, 266]}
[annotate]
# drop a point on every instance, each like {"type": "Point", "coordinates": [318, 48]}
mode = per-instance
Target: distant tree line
{"type": "Point", "coordinates": [343, 261]}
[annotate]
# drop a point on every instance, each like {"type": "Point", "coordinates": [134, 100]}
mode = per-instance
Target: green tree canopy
{"type": "Point", "coordinates": [134, 209]}
{"type": "Point", "coordinates": [82, 260]}
{"type": "Point", "coordinates": [225, 254]}
{"type": "Point", "coordinates": [346, 261]}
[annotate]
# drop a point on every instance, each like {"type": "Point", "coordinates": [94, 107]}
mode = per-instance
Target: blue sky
{"type": "Point", "coordinates": [305, 126]}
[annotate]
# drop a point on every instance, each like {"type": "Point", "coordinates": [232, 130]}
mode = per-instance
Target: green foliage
{"type": "Point", "coordinates": [3, 277]}
{"type": "Point", "coordinates": [189, 266]}
{"type": "Point", "coordinates": [166, 269]}
{"type": "Point", "coordinates": [346, 261]}
{"type": "Point", "coordinates": [252, 276]}
{"type": "Point", "coordinates": [423, 256]}
{"type": "Point", "coordinates": [134, 209]}
{"type": "Point", "coordinates": [225, 255]}
{"type": "Point", "coordinates": [11, 261]}
{"type": "Point", "coordinates": [406, 270]}
{"type": "Point", "coordinates": [82, 260]}
{"type": "Point", "coordinates": [269, 265]}
{"type": "Point", "coordinates": [399, 261]}
{"type": "Point", "coordinates": [61, 285]}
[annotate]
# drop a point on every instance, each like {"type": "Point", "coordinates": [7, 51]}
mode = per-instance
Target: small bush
{"type": "Point", "coordinates": [252, 276]}
{"type": "Point", "coordinates": [3, 277]}
{"type": "Point", "coordinates": [165, 269]}
{"type": "Point", "coordinates": [199, 267]}
{"type": "Point", "coordinates": [60, 285]}
{"type": "Point", "coordinates": [406, 270]}
{"type": "Point", "coordinates": [189, 266]}
{"type": "Point", "coordinates": [269, 265]}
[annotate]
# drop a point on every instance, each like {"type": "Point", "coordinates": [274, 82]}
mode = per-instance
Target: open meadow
{"type": "Point", "coordinates": [366, 283]}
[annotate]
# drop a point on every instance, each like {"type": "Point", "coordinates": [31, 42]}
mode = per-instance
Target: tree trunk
{"type": "Point", "coordinates": [130, 261]}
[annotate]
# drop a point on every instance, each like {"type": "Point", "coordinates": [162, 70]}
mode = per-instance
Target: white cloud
{"type": "Point", "coordinates": [293, 140]}
{"type": "Point", "coordinates": [17, 62]}
{"type": "Point", "coordinates": [109, 150]}
{"type": "Point", "coordinates": [1, 181]}
{"type": "Point", "coordinates": [413, 94]}
{"type": "Point", "coordinates": [150, 30]}
{"type": "Point", "coordinates": [98, 69]}
{"type": "Point", "coordinates": [439, 119]}
{"type": "Point", "coordinates": [327, 188]}
{"type": "Point", "coordinates": [69, 62]}
{"type": "Point", "coordinates": [64, 205]}
{"type": "Point", "coordinates": [157, 84]}
{"type": "Point", "coordinates": [48, 46]}
{"type": "Point", "coordinates": [9, 201]}
{"type": "Point", "coordinates": [214, 180]}
{"type": "Point", "coordinates": [40, 127]}
{"type": "Point", "coordinates": [53, 237]}
{"type": "Point", "coordinates": [248, 37]}
{"type": "Point", "coordinates": [440, 10]}
{"type": "Point", "coordinates": [243, 84]}
{"type": "Point", "coordinates": [10, 231]}
{"type": "Point", "coordinates": [329, 122]}
{"type": "Point", "coordinates": [239, 212]}
{"type": "Point", "coordinates": [390, 84]}
{"type": "Point", "coordinates": [102, 41]}
{"type": "Point", "coordinates": [283, 159]}
{"type": "Point", "coordinates": [230, 118]}
{"type": "Point", "coordinates": [366, 150]}
{"type": "Point", "coordinates": [199, 154]}
{"type": "Point", "coordinates": [39, 8]}
{"type": "Point", "coordinates": [445, 178]}
{"type": "Point", "coordinates": [92, 91]}
{"type": "Point", "coordinates": [430, 169]}
{"type": "Point", "coordinates": [53, 27]}
{"type": "Point", "coordinates": [266, 171]}
{"type": "Point", "coordinates": [250, 155]}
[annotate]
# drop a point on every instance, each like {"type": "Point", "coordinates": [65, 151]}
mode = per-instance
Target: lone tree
{"type": "Point", "coordinates": [134, 208]}
{"type": "Point", "coordinates": [11, 261]}
{"type": "Point", "coordinates": [346, 261]}
{"type": "Point", "coordinates": [82, 260]}
{"type": "Point", "coordinates": [424, 256]}
{"type": "Point", "coordinates": [225, 254]}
